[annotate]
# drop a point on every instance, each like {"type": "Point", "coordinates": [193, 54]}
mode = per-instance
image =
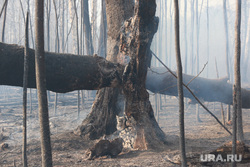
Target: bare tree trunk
{"type": "Point", "coordinates": [103, 32]}
{"type": "Point", "coordinates": [165, 44]}
{"type": "Point", "coordinates": [237, 75]}
{"type": "Point", "coordinates": [222, 110]}
{"type": "Point", "coordinates": [25, 80]}
{"type": "Point", "coordinates": [105, 108]}
{"type": "Point", "coordinates": [207, 37]}
{"type": "Point", "coordinates": [246, 55]}
{"type": "Point", "coordinates": [4, 5]}
{"type": "Point", "coordinates": [77, 42]}
{"type": "Point", "coordinates": [234, 136]}
{"type": "Point", "coordinates": [138, 107]}
{"type": "Point", "coordinates": [192, 37]}
{"type": "Point", "coordinates": [237, 120]}
{"type": "Point", "coordinates": [185, 34]}
{"type": "Point", "coordinates": [41, 85]}
{"type": "Point", "coordinates": [197, 56]}
{"type": "Point", "coordinates": [170, 45]}
{"type": "Point", "coordinates": [180, 87]}
{"type": "Point", "coordinates": [74, 20]}
{"type": "Point", "coordinates": [4, 20]}
{"type": "Point", "coordinates": [87, 28]}
{"type": "Point", "coordinates": [31, 32]}
{"type": "Point", "coordinates": [57, 48]}
{"type": "Point", "coordinates": [94, 24]}
{"type": "Point", "coordinates": [244, 35]}
{"type": "Point", "coordinates": [227, 49]}
{"type": "Point", "coordinates": [48, 9]}
{"type": "Point", "coordinates": [30, 92]}
{"type": "Point", "coordinates": [82, 43]}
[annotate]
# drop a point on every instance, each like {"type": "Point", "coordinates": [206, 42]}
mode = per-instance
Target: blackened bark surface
{"type": "Point", "coordinates": [137, 34]}
{"type": "Point", "coordinates": [180, 86]}
{"type": "Point", "coordinates": [41, 85]}
{"type": "Point", "coordinates": [159, 80]}
{"type": "Point", "coordinates": [65, 72]}
{"type": "Point", "coordinates": [102, 119]}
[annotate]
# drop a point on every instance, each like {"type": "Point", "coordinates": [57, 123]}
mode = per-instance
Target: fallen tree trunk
{"type": "Point", "coordinates": [159, 80]}
{"type": "Point", "coordinates": [67, 72]}
{"type": "Point", "coordinates": [64, 72]}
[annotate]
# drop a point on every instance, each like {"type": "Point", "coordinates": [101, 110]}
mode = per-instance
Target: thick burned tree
{"type": "Point", "coordinates": [136, 38]}
{"type": "Point", "coordinates": [102, 119]}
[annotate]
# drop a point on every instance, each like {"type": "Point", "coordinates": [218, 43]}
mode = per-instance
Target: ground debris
{"type": "Point", "coordinates": [105, 148]}
{"type": "Point", "coordinates": [4, 146]}
{"type": "Point", "coordinates": [241, 149]}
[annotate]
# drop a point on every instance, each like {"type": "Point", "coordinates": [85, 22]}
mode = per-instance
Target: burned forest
{"type": "Point", "coordinates": [124, 83]}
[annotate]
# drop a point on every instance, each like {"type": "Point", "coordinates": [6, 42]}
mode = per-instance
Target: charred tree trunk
{"type": "Point", "coordinates": [102, 119]}
{"type": "Point", "coordinates": [41, 85]}
{"type": "Point", "coordinates": [25, 79]}
{"type": "Point", "coordinates": [237, 75]}
{"type": "Point", "coordinates": [4, 19]}
{"type": "Point", "coordinates": [180, 86]}
{"type": "Point", "coordinates": [87, 28]}
{"type": "Point", "coordinates": [136, 38]}
{"type": "Point", "coordinates": [67, 72]}
{"type": "Point", "coordinates": [102, 43]}
{"type": "Point", "coordinates": [226, 50]}
{"type": "Point", "coordinates": [237, 115]}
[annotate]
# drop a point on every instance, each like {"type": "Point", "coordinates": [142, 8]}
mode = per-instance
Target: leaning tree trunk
{"type": "Point", "coordinates": [102, 119]}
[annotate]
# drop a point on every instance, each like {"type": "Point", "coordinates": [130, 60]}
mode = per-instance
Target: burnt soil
{"type": "Point", "coordinates": [69, 149]}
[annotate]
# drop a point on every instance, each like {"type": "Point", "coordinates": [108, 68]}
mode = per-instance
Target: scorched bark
{"type": "Point", "coordinates": [65, 72]}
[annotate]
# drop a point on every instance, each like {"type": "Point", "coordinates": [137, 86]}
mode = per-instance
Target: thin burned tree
{"type": "Point", "coordinates": [237, 75]}
{"type": "Point", "coordinates": [87, 29]}
{"type": "Point", "coordinates": [25, 83]}
{"type": "Point", "coordinates": [4, 5]}
{"type": "Point", "coordinates": [180, 87]}
{"type": "Point", "coordinates": [78, 48]}
{"type": "Point", "coordinates": [197, 53]}
{"type": "Point", "coordinates": [185, 35]}
{"type": "Point", "coordinates": [41, 85]}
{"type": "Point", "coordinates": [237, 113]}
{"type": "Point", "coordinates": [57, 47]}
{"type": "Point", "coordinates": [192, 37]}
{"type": "Point", "coordinates": [227, 49]}
{"type": "Point", "coordinates": [102, 43]}
{"type": "Point", "coordinates": [207, 36]}
{"type": "Point", "coordinates": [4, 19]}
